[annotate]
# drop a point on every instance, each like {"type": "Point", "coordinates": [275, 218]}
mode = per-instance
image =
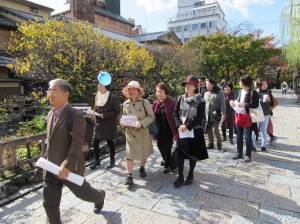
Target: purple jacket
{"type": "Point", "coordinates": [169, 107]}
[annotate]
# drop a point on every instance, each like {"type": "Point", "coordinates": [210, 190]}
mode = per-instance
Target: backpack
{"type": "Point", "coordinates": [70, 120]}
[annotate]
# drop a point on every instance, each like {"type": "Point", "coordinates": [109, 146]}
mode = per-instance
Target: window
{"type": "Point", "coordinates": [187, 28]}
{"type": "Point", "coordinates": [212, 24]}
{"type": "Point", "coordinates": [34, 10]}
{"type": "Point", "coordinates": [195, 26]}
{"type": "Point", "coordinates": [179, 29]}
{"type": "Point", "coordinates": [203, 25]}
{"type": "Point", "coordinates": [186, 39]}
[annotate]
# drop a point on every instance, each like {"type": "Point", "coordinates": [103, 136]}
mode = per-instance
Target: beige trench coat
{"type": "Point", "coordinates": [138, 141]}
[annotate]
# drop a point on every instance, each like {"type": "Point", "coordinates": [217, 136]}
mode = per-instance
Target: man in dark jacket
{"type": "Point", "coordinates": [64, 149]}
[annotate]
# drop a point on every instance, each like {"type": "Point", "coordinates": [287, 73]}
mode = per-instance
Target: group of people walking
{"type": "Point", "coordinates": [204, 107]}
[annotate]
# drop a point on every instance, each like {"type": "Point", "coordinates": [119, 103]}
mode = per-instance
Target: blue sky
{"type": "Point", "coordinates": [154, 14]}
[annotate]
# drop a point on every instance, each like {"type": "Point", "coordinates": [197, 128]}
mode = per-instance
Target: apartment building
{"type": "Point", "coordinates": [194, 17]}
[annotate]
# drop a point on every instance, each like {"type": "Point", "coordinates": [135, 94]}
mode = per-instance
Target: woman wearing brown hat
{"type": "Point", "coordinates": [138, 139]}
{"type": "Point", "coordinates": [188, 115]}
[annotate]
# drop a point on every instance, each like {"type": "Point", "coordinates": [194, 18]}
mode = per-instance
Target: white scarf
{"type": "Point", "coordinates": [101, 99]}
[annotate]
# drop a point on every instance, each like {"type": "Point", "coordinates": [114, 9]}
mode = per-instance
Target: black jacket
{"type": "Point", "coordinates": [251, 99]}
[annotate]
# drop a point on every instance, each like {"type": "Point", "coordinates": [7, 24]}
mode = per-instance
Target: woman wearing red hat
{"type": "Point", "coordinates": [188, 115]}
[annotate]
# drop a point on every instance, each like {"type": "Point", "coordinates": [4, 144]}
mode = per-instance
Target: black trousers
{"type": "Point", "coordinates": [164, 144]}
{"type": "Point", "coordinates": [53, 191]}
{"type": "Point", "coordinates": [230, 133]}
{"type": "Point", "coordinates": [111, 145]}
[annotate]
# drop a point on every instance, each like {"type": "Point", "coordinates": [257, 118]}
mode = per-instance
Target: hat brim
{"type": "Point", "coordinates": [184, 82]}
{"type": "Point", "coordinates": [125, 90]}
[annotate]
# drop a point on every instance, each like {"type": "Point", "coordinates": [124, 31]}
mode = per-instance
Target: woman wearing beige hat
{"type": "Point", "coordinates": [138, 139]}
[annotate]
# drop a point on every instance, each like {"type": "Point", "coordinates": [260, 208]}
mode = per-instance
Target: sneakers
{"type": "Point", "coordinates": [273, 140]}
{"type": "Point", "coordinates": [219, 146]}
{"type": "Point", "coordinates": [237, 156]}
{"type": "Point", "coordinates": [253, 149]}
{"type": "Point", "coordinates": [142, 172]}
{"type": "Point", "coordinates": [263, 149]}
{"type": "Point", "coordinates": [129, 181]}
{"type": "Point", "coordinates": [231, 141]}
{"type": "Point", "coordinates": [247, 159]}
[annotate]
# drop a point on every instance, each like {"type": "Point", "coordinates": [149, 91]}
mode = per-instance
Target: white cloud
{"type": "Point", "coordinates": [241, 5]}
{"type": "Point", "coordinates": [157, 5]}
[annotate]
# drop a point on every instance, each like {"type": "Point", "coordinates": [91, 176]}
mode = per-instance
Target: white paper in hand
{"type": "Point", "coordinates": [186, 134]}
{"type": "Point", "coordinates": [53, 168]}
{"type": "Point", "coordinates": [239, 110]}
{"type": "Point", "coordinates": [91, 112]}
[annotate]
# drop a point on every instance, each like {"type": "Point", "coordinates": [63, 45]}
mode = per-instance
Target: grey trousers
{"type": "Point", "coordinates": [52, 193]}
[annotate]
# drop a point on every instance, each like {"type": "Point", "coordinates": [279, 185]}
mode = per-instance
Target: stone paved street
{"type": "Point", "coordinates": [267, 190]}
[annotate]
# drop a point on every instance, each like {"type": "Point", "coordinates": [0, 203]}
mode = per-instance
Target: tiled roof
{"type": "Point", "coordinates": [108, 33]}
{"type": "Point", "coordinates": [111, 15]}
{"type": "Point", "coordinates": [23, 15]}
{"type": "Point", "coordinates": [7, 22]}
{"type": "Point", "coordinates": [5, 61]}
{"type": "Point", "coordinates": [118, 36]}
{"type": "Point", "coordinates": [149, 36]}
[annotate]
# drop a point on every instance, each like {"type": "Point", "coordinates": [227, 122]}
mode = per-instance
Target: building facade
{"type": "Point", "coordinates": [13, 12]}
{"type": "Point", "coordinates": [197, 17]}
{"type": "Point", "coordinates": [104, 13]}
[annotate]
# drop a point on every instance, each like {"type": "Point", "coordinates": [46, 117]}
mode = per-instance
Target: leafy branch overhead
{"type": "Point", "coordinates": [74, 51]}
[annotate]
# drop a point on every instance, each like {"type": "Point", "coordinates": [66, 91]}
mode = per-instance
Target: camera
{"type": "Point", "coordinates": [216, 116]}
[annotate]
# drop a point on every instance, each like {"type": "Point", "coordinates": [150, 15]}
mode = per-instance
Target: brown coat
{"type": "Point", "coordinates": [106, 128]}
{"type": "Point", "coordinates": [64, 148]}
{"type": "Point", "coordinates": [138, 142]}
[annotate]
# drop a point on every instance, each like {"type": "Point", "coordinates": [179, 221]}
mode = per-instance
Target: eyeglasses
{"type": "Point", "coordinates": [53, 92]}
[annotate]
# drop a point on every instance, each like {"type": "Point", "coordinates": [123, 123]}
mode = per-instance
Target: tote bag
{"type": "Point", "coordinates": [257, 114]}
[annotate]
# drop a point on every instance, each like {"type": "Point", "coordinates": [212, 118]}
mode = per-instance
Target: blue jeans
{"type": "Point", "coordinates": [263, 126]}
{"type": "Point", "coordinates": [240, 131]}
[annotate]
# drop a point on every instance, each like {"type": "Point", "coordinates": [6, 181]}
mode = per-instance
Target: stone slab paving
{"type": "Point", "coordinates": [224, 191]}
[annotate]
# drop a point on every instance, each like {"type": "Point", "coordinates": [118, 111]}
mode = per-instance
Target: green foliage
{"type": "Point", "coordinates": [74, 51]}
{"type": "Point", "coordinates": [23, 152]}
{"type": "Point", "coordinates": [290, 31]}
{"type": "Point", "coordinates": [15, 107]}
{"type": "Point", "coordinates": [173, 64]}
{"type": "Point", "coordinates": [226, 56]}
{"type": "Point", "coordinates": [35, 126]}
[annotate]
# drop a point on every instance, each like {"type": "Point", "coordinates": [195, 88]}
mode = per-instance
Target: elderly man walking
{"type": "Point", "coordinates": [64, 149]}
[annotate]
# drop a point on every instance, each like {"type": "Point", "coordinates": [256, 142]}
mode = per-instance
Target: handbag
{"type": "Point", "coordinates": [242, 120]}
{"type": "Point", "coordinates": [257, 114]}
{"type": "Point", "coordinates": [153, 129]}
{"type": "Point", "coordinates": [275, 103]}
